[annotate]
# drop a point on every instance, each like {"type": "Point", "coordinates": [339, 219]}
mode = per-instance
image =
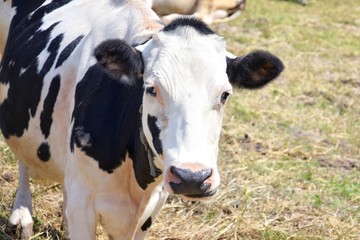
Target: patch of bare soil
{"type": "Point", "coordinates": [249, 145]}
{"type": "Point", "coordinates": [341, 163]}
{"type": "Point", "coordinates": [8, 177]}
{"type": "Point", "coordinates": [351, 82]}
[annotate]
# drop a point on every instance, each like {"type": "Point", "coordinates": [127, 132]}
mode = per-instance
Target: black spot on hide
{"type": "Point", "coordinates": [53, 50]}
{"type": "Point", "coordinates": [155, 133]}
{"type": "Point", "coordinates": [146, 224]}
{"type": "Point", "coordinates": [23, 8]}
{"type": "Point", "coordinates": [20, 66]}
{"type": "Point", "coordinates": [68, 50]}
{"type": "Point", "coordinates": [19, 69]}
{"type": "Point", "coordinates": [143, 161]}
{"type": "Point", "coordinates": [44, 152]}
{"type": "Point", "coordinates": [49, 103]}
{"type": "Point", "coordinates": [23, 20]}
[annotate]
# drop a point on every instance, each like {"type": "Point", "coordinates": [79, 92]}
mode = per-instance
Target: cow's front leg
{"type": "Point", "coordinates": [80, 213]}
{"type": "Point", "coordinates": [65, 223]}
{"type": "Point", "coordinates": [22, 210]}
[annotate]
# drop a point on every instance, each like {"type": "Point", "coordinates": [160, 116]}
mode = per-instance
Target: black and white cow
{"type": "Point", "coordinates": [101, 97]}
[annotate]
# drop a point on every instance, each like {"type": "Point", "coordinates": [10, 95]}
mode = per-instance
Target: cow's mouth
{"type": "Point", "coordinates": [202, 195]}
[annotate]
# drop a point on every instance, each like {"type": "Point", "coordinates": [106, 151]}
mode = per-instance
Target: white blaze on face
{"type": "Point", "coordinates": [187, 72]}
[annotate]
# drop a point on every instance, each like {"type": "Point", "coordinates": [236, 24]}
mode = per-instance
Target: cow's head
{"type": "Point", "coordinates": [188, 77]}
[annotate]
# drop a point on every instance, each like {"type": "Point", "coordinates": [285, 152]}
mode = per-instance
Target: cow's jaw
{"type": "Point", "coordinates": [182, 112]}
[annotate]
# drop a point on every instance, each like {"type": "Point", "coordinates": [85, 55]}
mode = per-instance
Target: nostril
{"type": "Point", "coordinates": [172, 169]}
{"type": "Point", "coordinates": [173, 177]}
{"type": "Point", "coordinates": [205, 187]}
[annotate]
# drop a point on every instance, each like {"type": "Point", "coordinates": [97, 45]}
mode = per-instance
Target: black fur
{"type": "Point", "coordinates": [44, 152]}
{"type": "Point", "coordinates": [22, 20]}
{"type": "Point", "coordinates": [146, 224]}
{"type": "Point", "coordinates": [195, 23]}
{"type": "Point", "coordinates": [15, 111]}
{"type": "Point", "coordinates": [53, 50]}
{"type": "Point", "coordinates": [254, 70]}
{"type": "Point", "coordinates": [25, 43]}
{"type": "Point", "coordinates": [23, 8]}
{"type": "Point", "coordinates": [104, 110]}
{"type": "Point", "coordinates": [49, 103]}
{"type": "Point", "coordinates": [68, 50]}
{"type": "Point", "coordinates": [143, 161]}
{"type": "Point", "coordinates": [155, 132]}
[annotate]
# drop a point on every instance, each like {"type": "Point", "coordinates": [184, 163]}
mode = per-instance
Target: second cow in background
{"type": "Point", "coordinates": [207, 10]}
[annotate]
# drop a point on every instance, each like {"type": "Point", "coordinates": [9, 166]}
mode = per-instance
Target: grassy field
{"type": "Point", "coordinates": [289, 153]}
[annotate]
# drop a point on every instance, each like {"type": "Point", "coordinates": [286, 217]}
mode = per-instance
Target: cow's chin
{"type": "Point", "coordinates": [200, 197]}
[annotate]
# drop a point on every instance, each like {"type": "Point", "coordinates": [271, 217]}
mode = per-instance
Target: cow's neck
{"type": "Point", "coordinates": [144, 161]}
{"type": "Point", "coordinates": [107, 125]}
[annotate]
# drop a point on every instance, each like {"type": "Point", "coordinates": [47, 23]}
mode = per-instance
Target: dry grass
{"type": "Point", "coordinates": [290, 152]}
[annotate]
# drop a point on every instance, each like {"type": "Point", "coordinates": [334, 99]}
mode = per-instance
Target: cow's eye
{"type": "Point", "coordinates": [151, 91]}
{"type": "Point", "coordinates": [224, 97]}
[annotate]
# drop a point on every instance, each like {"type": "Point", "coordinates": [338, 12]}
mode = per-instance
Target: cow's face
{"type": "Point", "coordinates": [186, 88]}
{"type": "Point", "coordinates": [186, 85]}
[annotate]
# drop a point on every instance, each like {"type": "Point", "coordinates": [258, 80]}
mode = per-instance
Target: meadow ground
{"type": "Point", "coordinates": [289, 153]}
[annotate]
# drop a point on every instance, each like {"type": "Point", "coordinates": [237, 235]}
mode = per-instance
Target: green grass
{"type": "Point", "coordinates": [289, 153]}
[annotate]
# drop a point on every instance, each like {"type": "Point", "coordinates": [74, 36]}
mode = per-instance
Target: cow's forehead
{"type": "Point", "coordinates": [191, 36]}
{"type": "Point", "coordinates": [185, 58]}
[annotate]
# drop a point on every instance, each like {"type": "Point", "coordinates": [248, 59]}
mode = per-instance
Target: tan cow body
{"type": "Point", "coordinates": [208, 10]}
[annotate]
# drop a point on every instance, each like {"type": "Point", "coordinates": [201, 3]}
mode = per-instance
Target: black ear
{"type": "Point", "coordinates": [253, 70]}
{"type": "Point", "coordinates": [119, 59]}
